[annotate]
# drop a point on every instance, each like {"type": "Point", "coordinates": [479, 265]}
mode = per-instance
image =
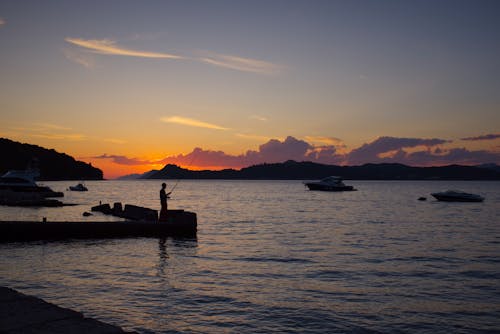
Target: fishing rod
{"type": "Point", "coordinates": [179, 179]}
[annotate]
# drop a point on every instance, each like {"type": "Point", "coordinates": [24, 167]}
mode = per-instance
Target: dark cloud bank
{"type": "Point", "coordinates": [409, 151]}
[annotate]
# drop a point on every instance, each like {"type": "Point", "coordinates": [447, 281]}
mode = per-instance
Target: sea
{"type": "Point", "coordinates": [274, 257]}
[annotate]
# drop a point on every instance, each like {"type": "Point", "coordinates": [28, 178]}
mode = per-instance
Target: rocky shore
{"type": "Point", "coordinates": [20, 313]}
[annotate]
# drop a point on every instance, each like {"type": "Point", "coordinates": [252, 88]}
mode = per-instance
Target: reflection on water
{"type": "Point", "coordinates": [273, 257]}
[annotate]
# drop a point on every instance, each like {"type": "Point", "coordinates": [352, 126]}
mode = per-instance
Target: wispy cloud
{"type": "Point", "coordinates": [84, 59]}
{"type": "Point", "coordinates": [2, 22]}
{"type": "Point", "coordinates": [191, 122]}
{"type": "Point", "coordinates": [115, 141]}
{"type": "Point", "coordinates": [325, 140]}
{"type": "Point", "coordinates": [60, 136]}
{"type": "Point", "coordinates": [259, 118]}
{"type": "Point", "coordinates": [109, 47]}
{"type": "Point", "coordinates": [241, 64]}
{"type": "Point", "coordinates": [52, 126]}
{"type": "Point", "coordinates": [254, 137]}
{"type": "Point", "coordinates": [47, 131]}
{"type": "Point", "coordinates": [491, 136]}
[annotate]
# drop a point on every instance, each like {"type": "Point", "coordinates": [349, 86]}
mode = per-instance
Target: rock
{"type": "Point", "coordinates": [20, 313]}
{"type": "Point", "coordinates": [117, 209]}
{"type": "Point", "coordinates": [139, 213]}
{"type": "Point", "coordinates": [104, 208]}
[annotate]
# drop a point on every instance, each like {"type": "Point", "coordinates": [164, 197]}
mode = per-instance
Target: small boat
{"type": "Point", "coordinates": [457, 196]}
{"type": "Point", "coordinates": [330, 183]}
{"type": "Point", "coordinates": [78, 187]}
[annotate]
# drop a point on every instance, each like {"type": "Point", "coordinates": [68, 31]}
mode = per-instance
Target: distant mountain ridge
{"type": "Point", "coordinates": [137, 176]}
{"type": "Point", "coordinates": [52, 164]}
{"type": "Point", "coordinates": [292, 170]}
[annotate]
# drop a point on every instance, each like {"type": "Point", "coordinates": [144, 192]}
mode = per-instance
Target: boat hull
{"type": "Point", "coordinates": [321, 187]}
{"type": "Point", "coordinates": [72, 188]}
{"type": "Point", "coordinates": [444, 198]}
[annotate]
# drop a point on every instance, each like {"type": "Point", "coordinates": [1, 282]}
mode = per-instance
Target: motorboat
{"type": "Point", "coordinates": [19, 185]}
{"type": "Point", "coordinates": [457, 196]}
{"type": "Point", "coordinates": [330, 183]}
{"type": "Point", "coordinates": [78, 187]}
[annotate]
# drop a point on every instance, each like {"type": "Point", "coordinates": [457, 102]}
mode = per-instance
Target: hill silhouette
{"type": "Point", "coordinates": [292, 170]}
{"type": "Point", "coordinates": [52, 164]}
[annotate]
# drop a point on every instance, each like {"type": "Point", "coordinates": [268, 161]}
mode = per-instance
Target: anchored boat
{"type": "Point", "coordinates": [457, 196]}
{"type": "Point", "coordinates": [18, 187]}
{"type": "Point", "coordinates": [330, 183]}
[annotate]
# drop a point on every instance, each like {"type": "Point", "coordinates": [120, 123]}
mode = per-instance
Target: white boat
{"type": "Point", "coordinates": [78, 187]}
{"type": "Point", "coordinates": [457, 196]}
{"type": "Point", "coordinates": [18, 185]}
{"type": "Point", "coordinates": [330, 183]}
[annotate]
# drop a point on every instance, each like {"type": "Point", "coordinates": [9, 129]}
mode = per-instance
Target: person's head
{"type": "Point", "coordinates": [163, 185]}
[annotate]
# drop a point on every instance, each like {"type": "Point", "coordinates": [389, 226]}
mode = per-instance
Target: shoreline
{"type": "Point", "coordinates": [20, 313]}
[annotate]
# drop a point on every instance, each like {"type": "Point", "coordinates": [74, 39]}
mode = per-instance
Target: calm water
{"type": "Point", "coordinates": [271, 256]}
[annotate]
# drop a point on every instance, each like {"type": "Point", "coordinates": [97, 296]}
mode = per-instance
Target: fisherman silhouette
{"type": "Point", "coordinates": [163, 201]}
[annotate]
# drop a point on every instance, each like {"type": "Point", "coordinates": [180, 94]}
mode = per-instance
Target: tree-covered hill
{"type": "Point", "coordinates": [52, 164]}
{"type": "Point", "coordinates": [292, 170]}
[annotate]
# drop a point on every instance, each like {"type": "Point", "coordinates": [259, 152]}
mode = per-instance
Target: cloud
{"type": "Point", "coordinates": [374, 151]}
{"type": "Point", "coordinates": [2, 22]}
{"type": "Point", "coordinates": [326, 154]}
{"type": "Point", "coordinates": [325, 140]}
{"type": "Point", "coordinates": [277, 151]}
{"type": "Point", "coordinates": [84, 59]}
{"type": "Point", "coordinates": [491, 136]}
{"type": "Point", "coordinates": [191, 122]}
{"type": "Point", "coordinates": [253, 137]}
{"type": "Point", "coordinates": [115, 141]}
{"type": "Point", "coordinates": [205, 158]}
{"type": "Point", "coordinates": [48, 131]}
{"type": "Point", "coordinates": [392, 150]}
{"type": "Point", "coordinates": [272, 151]}
{"type": "Point", "coordinates": [460, 156]}
{"type": "Point", "coordinates": [259, 118]}
{"type": "Point", "coordinates": [291, 148]}
{"type": "Point", "coordinates": [123, 160]}
{"type": "Point", "coordinates": [52, 126]}
{"type": "Point", "coordinates": [240, 63]}
{"type": "Point", "coordinates": [109, 47]}
{"type": "Point", "coordinates": [60, 136]}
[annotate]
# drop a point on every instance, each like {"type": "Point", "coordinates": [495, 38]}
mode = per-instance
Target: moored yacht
{"type": "Point", "coordinates": [18, 185]}
{"type": "Point", "coordinates": [457, 196]}
{"type": "Point", "coordinates": [330, 183]}
{"type": "Point", "coordinates": [78, 187]}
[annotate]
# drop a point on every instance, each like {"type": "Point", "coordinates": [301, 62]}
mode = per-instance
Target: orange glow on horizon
{"type": "Point", "coordinates": [112, 170]}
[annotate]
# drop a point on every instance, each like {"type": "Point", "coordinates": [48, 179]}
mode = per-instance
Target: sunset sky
{"type": "Point", "coordinates": [132, 85]}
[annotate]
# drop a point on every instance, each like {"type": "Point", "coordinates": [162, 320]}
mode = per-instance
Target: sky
{"type": "Point", "coordinates": [130, 86]}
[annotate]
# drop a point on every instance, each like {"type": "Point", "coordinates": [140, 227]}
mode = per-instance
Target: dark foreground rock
{"type": "Point", "coordinates": [20, 313]}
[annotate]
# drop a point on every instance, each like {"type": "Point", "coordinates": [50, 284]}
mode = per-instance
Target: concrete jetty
{"type": "Point", "coordinates": [20, 313]}
{"type": "Point", "coordinates": [180, 224]}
